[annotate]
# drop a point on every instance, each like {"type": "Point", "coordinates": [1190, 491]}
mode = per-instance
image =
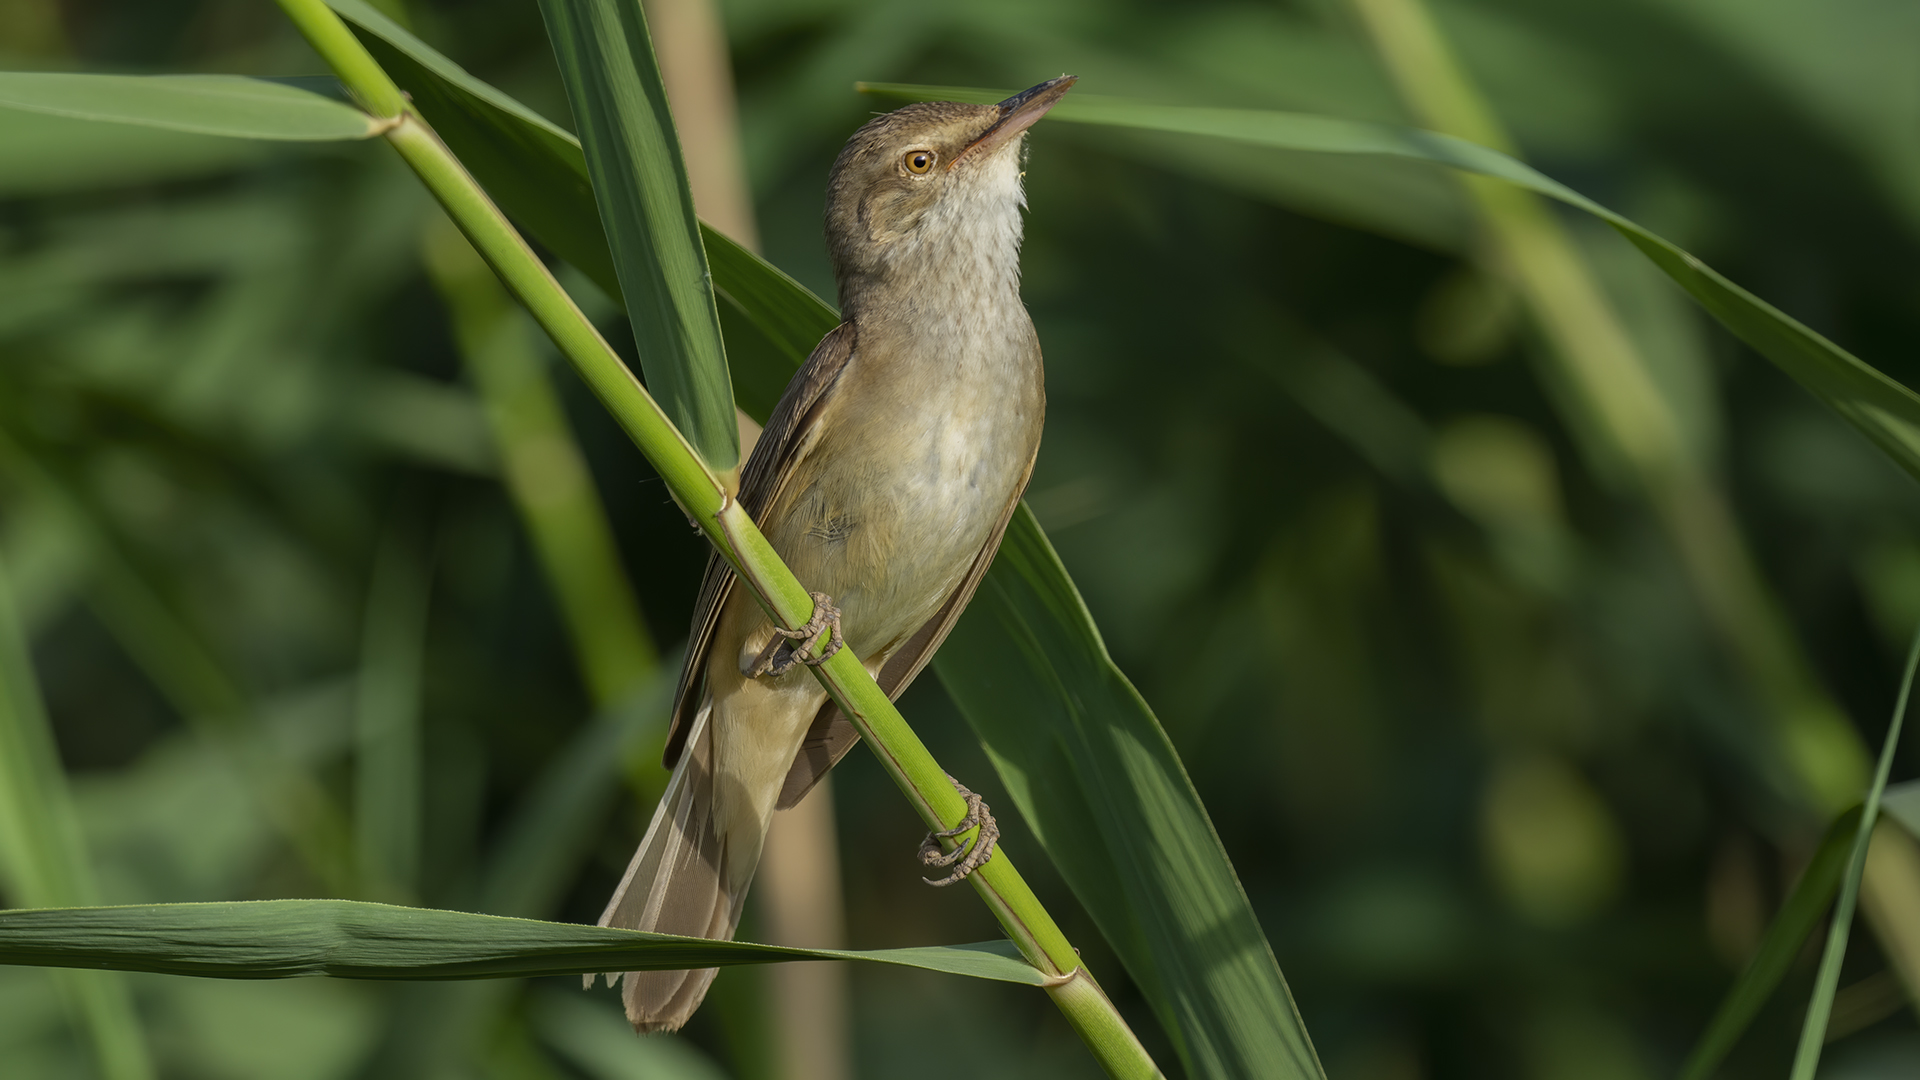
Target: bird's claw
{"type": "Point", "coordinates": [813, 644]}
{"type": "Point", "coordinates": [970, 855]}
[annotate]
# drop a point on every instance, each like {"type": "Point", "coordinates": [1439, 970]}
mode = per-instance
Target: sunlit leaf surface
{"type": "Point", "coordinates": [277, 939]}
{"type": "Point", "coordinates": [198, 104]}
{"type": "Point", "coordinates": [606, 61]}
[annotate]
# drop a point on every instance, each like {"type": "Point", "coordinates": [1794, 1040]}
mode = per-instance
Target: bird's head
{"type": "Point", "coordinates": [932, 189]}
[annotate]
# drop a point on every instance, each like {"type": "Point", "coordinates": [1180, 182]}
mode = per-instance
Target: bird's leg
{"type": "Point", "coordinates": [813, 644]}
{"type": "Point", "coordinates": [972, 854]}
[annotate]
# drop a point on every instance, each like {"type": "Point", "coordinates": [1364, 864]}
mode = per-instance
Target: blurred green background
{"type": "Point", "coordinates": [1498, 788]}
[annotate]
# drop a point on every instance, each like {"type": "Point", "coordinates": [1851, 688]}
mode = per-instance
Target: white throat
{"type": "Point", "coordinates": [969, 241]}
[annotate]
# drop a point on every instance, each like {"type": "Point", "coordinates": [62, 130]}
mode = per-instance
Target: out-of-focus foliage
{"type": "Point", "coordinates": [1490, 780]}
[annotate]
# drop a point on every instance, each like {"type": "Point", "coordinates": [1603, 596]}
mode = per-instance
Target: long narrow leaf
{"type": "Point", "coordinates": [48, 154]}
{"type": "Point", "coordinates": [1172, 914]}
{"type": "Point", "coordinates": [1813, 1035]}
{"type": "Point", "coordinates": [772, 322]}
{"type": "Point", "coordinates": [1883, 409]}
{"type": "Point", "coordinates": [278, 939]}
{"type": "Point", "coordinates": [606, 61]}
{"type": "Point", "coordinates": [1778, 948]}
{"type": "Point", "coordinates": [1095, 775]}
{"type": "Point", "coordinates": [229, 105]}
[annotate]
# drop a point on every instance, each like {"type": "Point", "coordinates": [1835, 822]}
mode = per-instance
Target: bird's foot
{"type": "Point", "coordinates": [972, 854]}
{"type": "Point", "coordinates": [813, 644]}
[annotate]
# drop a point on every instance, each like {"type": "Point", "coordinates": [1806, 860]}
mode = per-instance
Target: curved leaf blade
{"type": "Point", "coordinates": [279, 939]}
{"type": "Point", "coordinates": [229, 105]}
{"type": "Point", "coordinates": [1883, 409]}
{"type": "Point", "coordinates": [633, 156]}
{"type": "Point", "coordinates": [48, 154]}
{"type": "Point", "coordinates": [1101, 784]}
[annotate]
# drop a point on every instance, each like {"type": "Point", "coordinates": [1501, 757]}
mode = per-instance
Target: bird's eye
{"type": "Point", "coordinates": [918, 161]}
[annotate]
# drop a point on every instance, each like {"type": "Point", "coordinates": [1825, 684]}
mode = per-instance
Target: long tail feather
{"type": "Point", "coordinates": [678, 883]}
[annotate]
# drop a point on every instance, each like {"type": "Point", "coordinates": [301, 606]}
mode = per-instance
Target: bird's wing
{"type": "Point", "coordinates": [788, 432]}
{"type": "Point", "coordinates": [832, 734]}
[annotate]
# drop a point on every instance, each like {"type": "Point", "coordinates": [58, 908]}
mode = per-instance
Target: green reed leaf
{"type": "Point", "coordinates": [1097, 778]}
{"type": "Point", "coordinates": [230, 105]}
{"type": "Point", "coordinates": [606, 61]}
{"type": "Point", "coordinates": [48, 154]}
{"type": "Point", "coordinates": [280, 939]}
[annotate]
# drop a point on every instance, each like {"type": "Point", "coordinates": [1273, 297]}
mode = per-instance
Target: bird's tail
{"type": "Point", "coordinates": [678, 883]}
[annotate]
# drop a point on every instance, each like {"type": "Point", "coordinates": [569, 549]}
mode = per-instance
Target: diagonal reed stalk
{"type": "Point", "coordinates": [711, 506]}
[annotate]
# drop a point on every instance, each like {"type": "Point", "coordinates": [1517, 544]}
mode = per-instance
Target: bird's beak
{"type": "Point", "coordinates": [1017, 114]}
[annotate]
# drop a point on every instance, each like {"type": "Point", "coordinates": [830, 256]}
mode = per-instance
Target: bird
{"type": "Point", "coordinates": [885, 478]}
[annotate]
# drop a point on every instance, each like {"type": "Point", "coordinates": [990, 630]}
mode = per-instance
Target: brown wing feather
{"type": "Point", "coordinates": [832, 734]}
{"type": "Point", "coordinates": [760, 482]}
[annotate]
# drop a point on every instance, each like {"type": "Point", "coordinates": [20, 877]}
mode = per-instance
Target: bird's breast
{"type": "Point", "coordinates": [928, 436]}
